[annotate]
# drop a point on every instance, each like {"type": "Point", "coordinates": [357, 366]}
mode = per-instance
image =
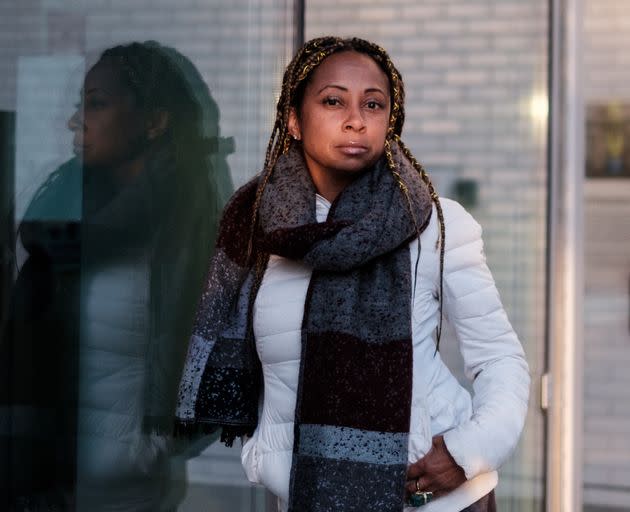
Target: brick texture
{"type": "Point", "coordinates": [607, 272]}
{"type": "Point", "coordinates": [240, 49]}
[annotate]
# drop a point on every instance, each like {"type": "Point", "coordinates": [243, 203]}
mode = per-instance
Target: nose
{"type": "Point", "coordinates": [75, 122]}
{"type": "Point", "coordinates": [354, 121]}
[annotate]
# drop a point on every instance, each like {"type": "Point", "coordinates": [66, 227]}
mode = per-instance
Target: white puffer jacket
{"type": "Point", "coordinates": [480, 433]}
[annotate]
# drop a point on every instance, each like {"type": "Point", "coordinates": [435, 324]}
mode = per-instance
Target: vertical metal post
{"type": "Point", "coordinates": [299, 15]}
{"type": "Point", "coordinates": [565, 265]}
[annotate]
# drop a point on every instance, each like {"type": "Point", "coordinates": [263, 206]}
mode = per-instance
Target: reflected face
{"type": "Point", "coordinates": [109, 128]}
{"type": "Point", "coordinates": [344, 116]}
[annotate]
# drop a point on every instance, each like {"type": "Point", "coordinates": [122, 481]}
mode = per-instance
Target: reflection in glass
{"type": "Point", "coordinates": [117, 241]}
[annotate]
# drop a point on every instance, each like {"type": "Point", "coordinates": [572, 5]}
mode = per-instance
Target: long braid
{"type": "Point", "coordinates": [441, 237]}
{"type": "Point", "coordinates": [297, 74]}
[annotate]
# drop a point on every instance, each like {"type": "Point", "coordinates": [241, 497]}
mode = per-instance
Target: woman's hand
{"type": "Point", "coordinates": [436, 472]}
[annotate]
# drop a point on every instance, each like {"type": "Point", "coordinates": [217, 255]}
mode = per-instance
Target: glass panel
{"type": "Point", "coordinates": [115, 167]}
{"type": "Point", "coordinates": [606, 471]}
{"type": "Point", "coordinates": [476, 117]}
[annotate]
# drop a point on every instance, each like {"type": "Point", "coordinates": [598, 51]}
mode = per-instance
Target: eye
{"type": "Point", "coordinates": [95, 103]}
{"type": "Point", "coordinates": [331, 101]}
{"type": "Point", "coordinates": [373, 105]}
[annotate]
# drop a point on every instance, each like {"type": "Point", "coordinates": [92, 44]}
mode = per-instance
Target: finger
{"type": "Point", "coordinates": [417, 469]}
{"type": "Point", "coordinates": [421, 484]}
{"type": "Point", "coordinates": [424, 483]}
{"type": "Point", "coordinates": [410, 488]}
{"type": "Point", "coordinates": [437, 441]}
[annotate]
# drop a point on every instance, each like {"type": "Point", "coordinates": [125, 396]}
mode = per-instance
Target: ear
{"type": "Point", "coordinates": [294, 124]}
{"type": "Point", "coordinates": [157, 124]}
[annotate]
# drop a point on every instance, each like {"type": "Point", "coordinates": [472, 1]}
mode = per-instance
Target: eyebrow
{"type": "Point", "coordinates": [345, 89]}
{"type": "Point", "coordinates": [91, 90]}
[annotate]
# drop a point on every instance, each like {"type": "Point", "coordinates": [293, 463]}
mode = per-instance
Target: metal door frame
{"type": "Point", "coordinates": [565, 267]}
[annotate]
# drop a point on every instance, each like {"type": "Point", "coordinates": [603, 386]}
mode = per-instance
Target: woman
{"type": "Point", "coordinates": [143, 195]}
{"type": "Point", "coordinates": [315, 332]}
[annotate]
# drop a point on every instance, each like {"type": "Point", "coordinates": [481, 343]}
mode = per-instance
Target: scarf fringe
{"type": "Point", "coordinates": [195, 429]}
{"type": "Point", "coordinates": [229, 434]}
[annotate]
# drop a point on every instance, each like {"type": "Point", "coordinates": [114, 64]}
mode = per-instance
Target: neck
{"type": "Point", "coordinates": [124, 173]}
{"type": "Point", "coordinates": [127, 172]}
{"type": "Point", "coordinates": [328, 186]}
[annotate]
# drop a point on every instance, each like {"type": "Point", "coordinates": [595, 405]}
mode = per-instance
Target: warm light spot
{"type": "Point", "coordinates": [539, 107]}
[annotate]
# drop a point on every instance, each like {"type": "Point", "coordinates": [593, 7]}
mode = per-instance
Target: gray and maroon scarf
{"type": "Point", "coordinates": [355, 382]}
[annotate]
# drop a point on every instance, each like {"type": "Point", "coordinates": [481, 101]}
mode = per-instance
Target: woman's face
{"type": "Point", "coordinates": [344, 117]}
{"type": "Point", "coordinates": [109, 128]}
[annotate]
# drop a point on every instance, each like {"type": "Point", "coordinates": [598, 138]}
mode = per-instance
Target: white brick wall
{"type": "Point", "coordinates": [607, 273]}
{"type": "Point", "coordinates": [240, 48]}
{"type": "Point", "coordinates": [470, 72]}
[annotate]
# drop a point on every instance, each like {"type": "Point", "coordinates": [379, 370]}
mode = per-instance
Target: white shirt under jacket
{"type": "Point", "coordinates": [480, 432]}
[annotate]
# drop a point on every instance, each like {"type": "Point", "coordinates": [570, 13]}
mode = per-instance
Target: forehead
{"type": "Point", "coordinates": [350, 67]}
{"type": "Point", "coordinates": [105, 75]}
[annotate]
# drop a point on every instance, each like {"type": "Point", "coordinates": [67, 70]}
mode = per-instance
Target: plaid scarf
{"type": "Point", "coordinates": [355, 382]}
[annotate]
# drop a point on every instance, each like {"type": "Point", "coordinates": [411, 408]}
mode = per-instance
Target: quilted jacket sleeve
{"type": "Point", "coordinates": [493, 356]}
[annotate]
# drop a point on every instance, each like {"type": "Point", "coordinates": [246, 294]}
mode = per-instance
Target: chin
{"type": "Point", "coordinates": [349, 173]}
{"type": "Point", "coordinates": [358, 167]}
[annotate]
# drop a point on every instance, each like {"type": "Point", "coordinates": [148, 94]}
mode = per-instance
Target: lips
{"type": "Point", "coordinates": [352, 149]}
{"type": "Point", "coordinates": [78, 144]}
{"type": "Point", "coordinates": [78, 148]}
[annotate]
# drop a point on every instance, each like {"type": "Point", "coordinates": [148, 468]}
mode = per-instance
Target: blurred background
{"type": "Point", "coordinates": [519, 109]}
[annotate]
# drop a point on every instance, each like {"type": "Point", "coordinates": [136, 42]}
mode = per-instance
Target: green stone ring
{"type": "Point", "coordinates": [417, 499]}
